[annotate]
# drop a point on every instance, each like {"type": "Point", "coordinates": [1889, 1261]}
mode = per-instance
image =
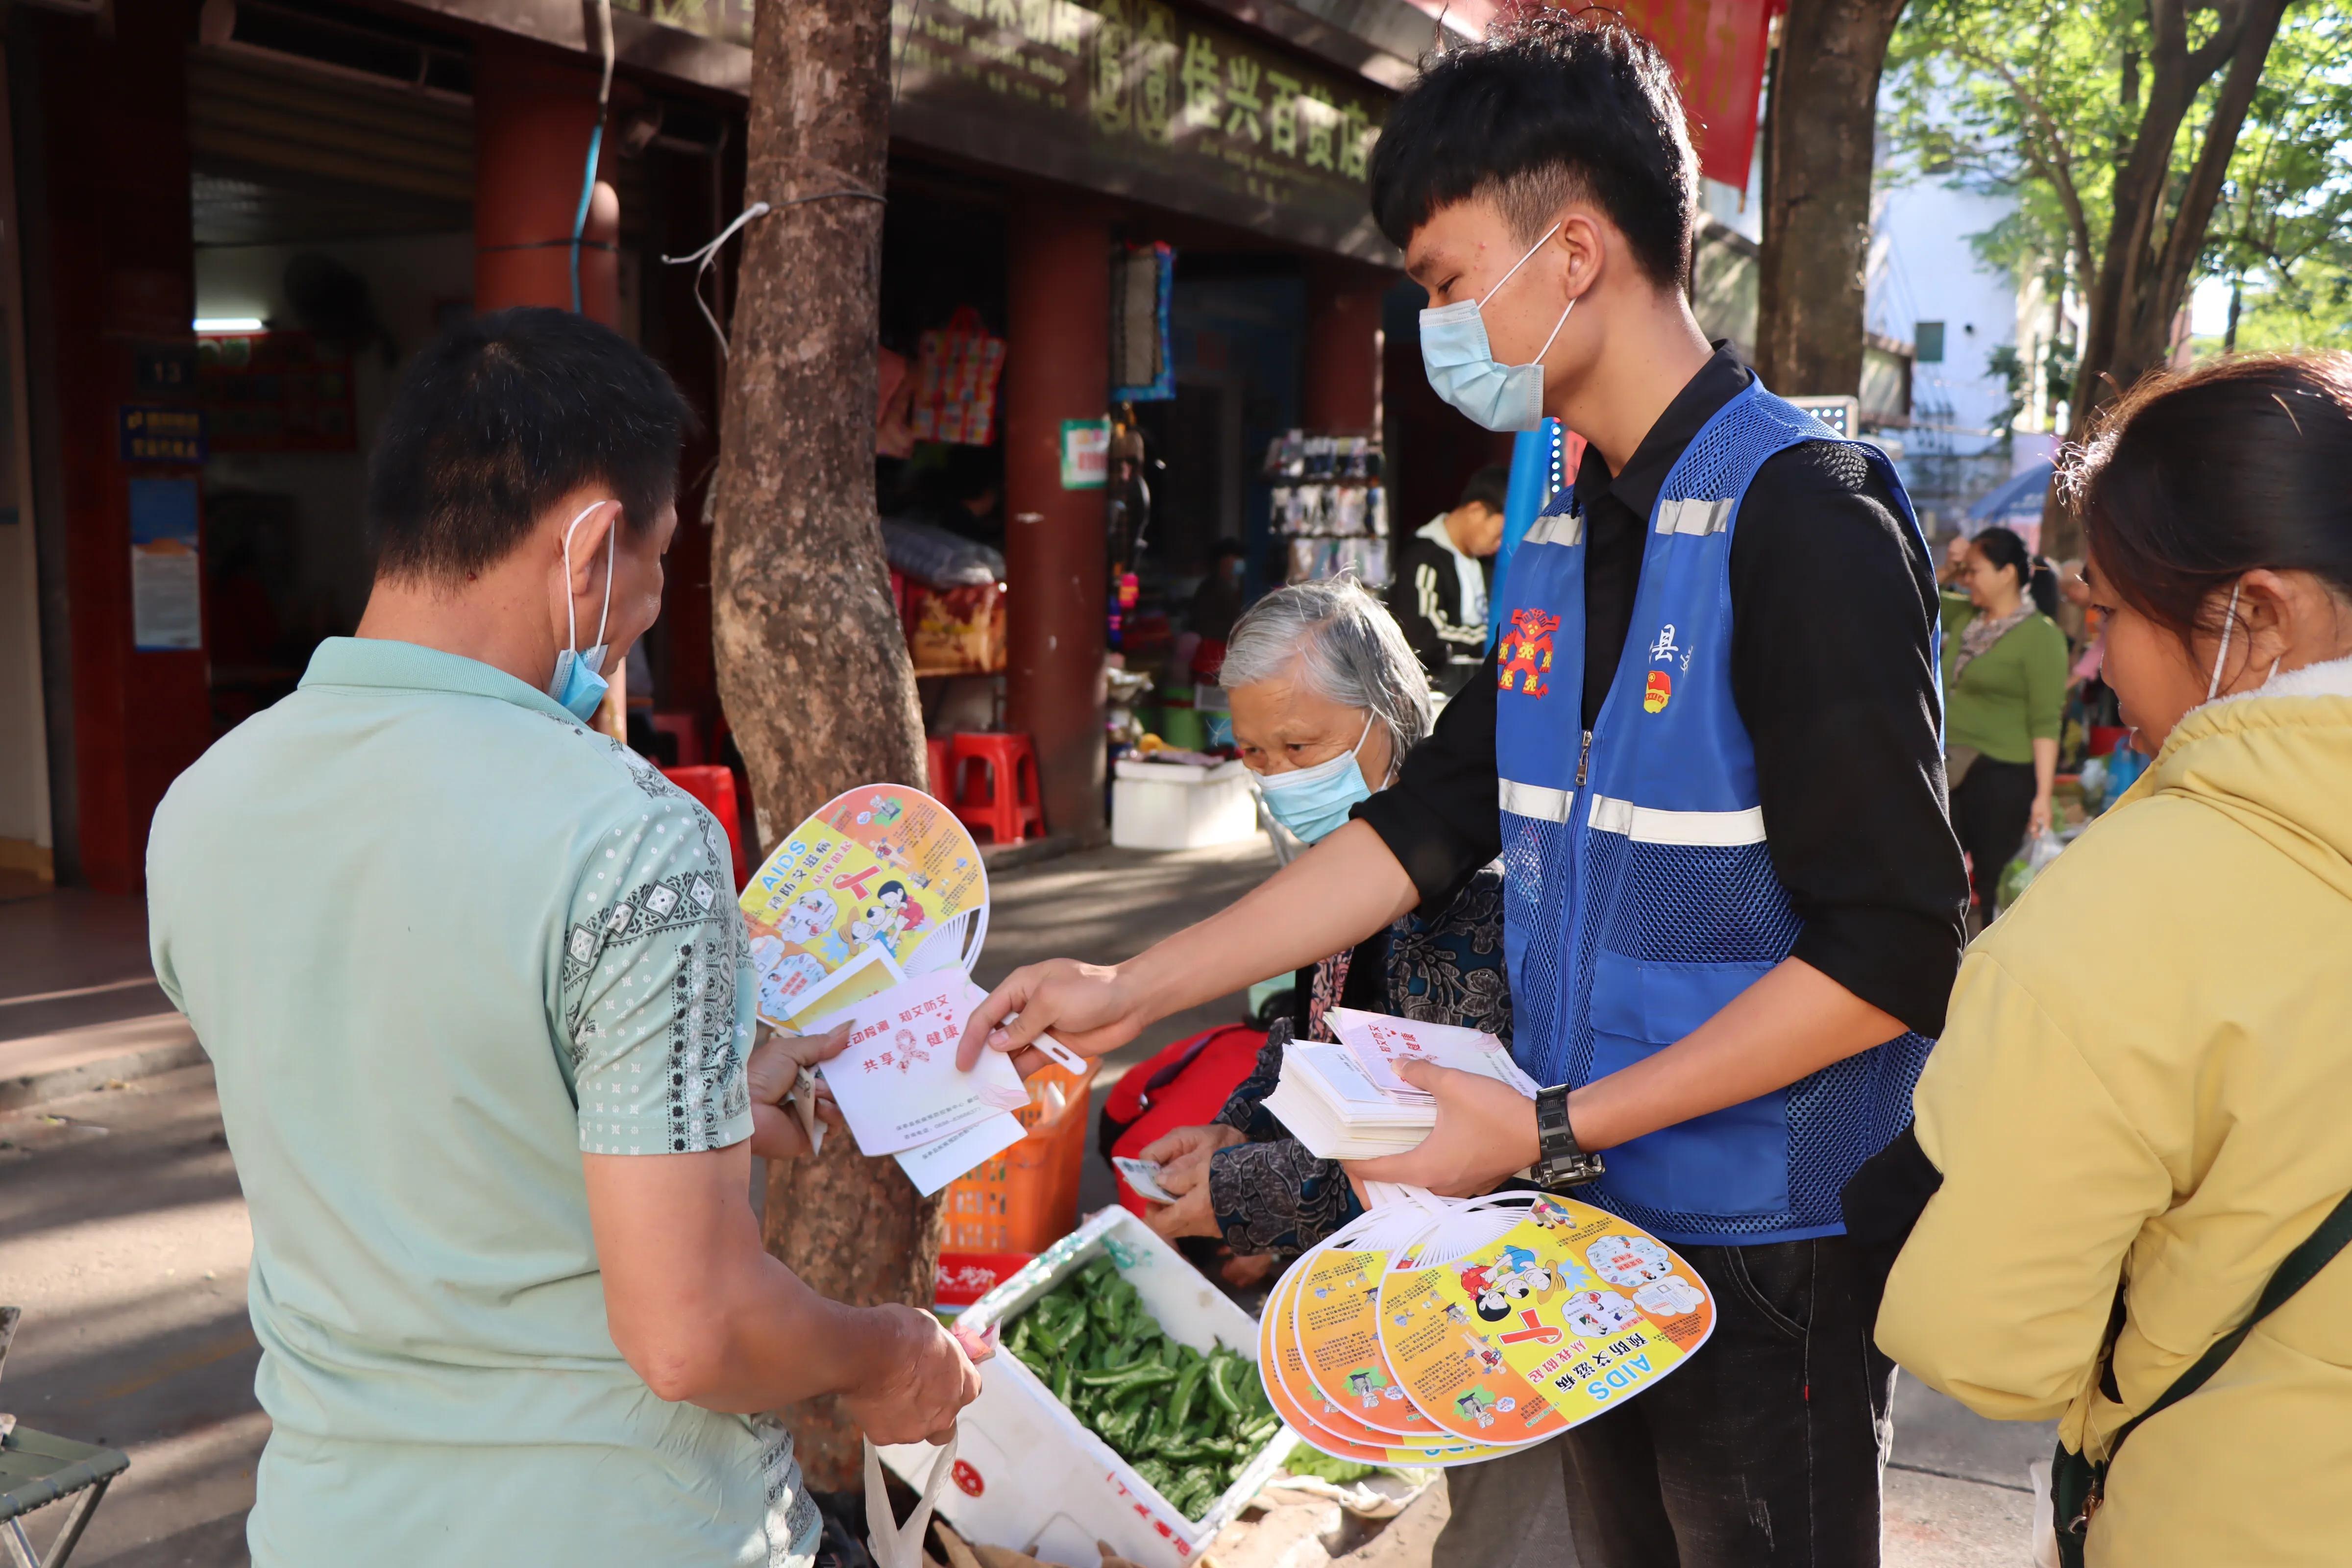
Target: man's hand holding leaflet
{"type": "Point", "coordinates": [1792, 1022]}
{"type": "Point", "coordinates": [694, 1302]}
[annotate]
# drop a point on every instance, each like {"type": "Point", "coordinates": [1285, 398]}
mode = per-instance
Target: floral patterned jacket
{"type": "Point", "coordinates": [1270, 1194]}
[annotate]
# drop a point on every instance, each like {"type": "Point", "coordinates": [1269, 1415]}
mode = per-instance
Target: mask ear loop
{"type": "Point", "coordinates": [570, 614]}
{"type": "Point", "coordinates": [2229, 624]}
{"type": "Point", "coordinates": [1556, 326]}
{"type": "Point", "coordinates": [1522, 261]}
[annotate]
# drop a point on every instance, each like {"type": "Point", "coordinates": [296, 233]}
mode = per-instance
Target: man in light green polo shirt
{"type": "Point", "coordinates": [477, 992]}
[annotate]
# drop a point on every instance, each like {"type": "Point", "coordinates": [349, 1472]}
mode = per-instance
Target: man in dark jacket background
{"type": "Point", "coordinates": [1443, 576]}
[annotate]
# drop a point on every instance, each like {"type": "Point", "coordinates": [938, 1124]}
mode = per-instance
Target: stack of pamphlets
{"type": "Point", "coordinates": [1344, 1101]}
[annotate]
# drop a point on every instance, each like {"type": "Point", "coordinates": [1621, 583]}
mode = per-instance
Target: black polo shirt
{"type": "Point", "coordinates": [1833, 670]}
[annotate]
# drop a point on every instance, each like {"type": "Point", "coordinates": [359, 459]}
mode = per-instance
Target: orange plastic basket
{"type": "Point", "coordinates": [1026, 1198]}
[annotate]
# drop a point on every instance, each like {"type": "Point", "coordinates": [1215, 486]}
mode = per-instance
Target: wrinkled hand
{"type": "Point", "coordinates": [1485, 1131]}
{"type": "Point", "coordinates": [927, 1377]}
{"type": "Point", "coordinates": [2037, 819]}
{"type": "Point", "coordinates": [1084, 1006]}
{"type": "Point", "coordinates": [1183, 1157]}
{"type": "Point", "coordinates": [774, 1066]}
{"type": "Point", "coordinates": [1188, 1216]}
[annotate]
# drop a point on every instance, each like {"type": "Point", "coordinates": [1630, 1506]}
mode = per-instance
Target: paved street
{"type": "Point", "coordinates": [123, 1236]}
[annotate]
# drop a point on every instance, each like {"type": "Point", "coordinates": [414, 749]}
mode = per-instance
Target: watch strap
{"type": "Point", "coordinates": [1561, 1161]}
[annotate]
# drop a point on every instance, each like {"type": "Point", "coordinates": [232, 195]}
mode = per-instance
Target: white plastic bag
{"type": "Point", "coordinates": [895, 1545]}
{"type": "Point", "coordinates": [2042, 1545]}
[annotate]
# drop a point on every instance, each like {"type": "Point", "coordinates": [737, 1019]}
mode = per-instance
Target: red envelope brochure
{"type": "Point", "coordinates": [1336, 1326]}
{"type": "Point", "coordinates": [1570, 1310]}
{"type": "Point", "coordinates": [1319, 1422]}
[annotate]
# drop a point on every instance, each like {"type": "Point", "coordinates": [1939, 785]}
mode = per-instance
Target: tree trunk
{"type": "Point", "coordinates": [1816, 252]}
{"type": "Point", "coordinates": [2146, 269]}
{"type": "Point", "coordinates": [812, 667]}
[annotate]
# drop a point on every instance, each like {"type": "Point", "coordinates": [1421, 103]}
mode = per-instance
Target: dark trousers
{"type": "Point", "coordinates": [1767, 1447]}
{"type": "Point", "coordinates": [1989, 808]}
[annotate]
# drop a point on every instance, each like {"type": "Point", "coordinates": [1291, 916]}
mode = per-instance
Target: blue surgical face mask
{"type": "Point", "coordinates": [1462, 368]}
{"type": "Point", "coordinates": [579, 683]}
{"type": "Point", "coordinates": [1312, 802]}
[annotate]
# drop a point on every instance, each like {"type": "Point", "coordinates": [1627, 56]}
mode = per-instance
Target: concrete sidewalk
{"type": "Point", "coordinates": [78, 1004]}
{"type": "Point", "coordinates": [124, 1237]}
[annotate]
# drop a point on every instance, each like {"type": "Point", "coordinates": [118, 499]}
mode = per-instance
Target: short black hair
{"type": "Point", "coordinates": [1549, 107]}
{"type": "Point", "coordinates": [499, 419]}
{"type": "Point", "coordinates": [1490, 486]}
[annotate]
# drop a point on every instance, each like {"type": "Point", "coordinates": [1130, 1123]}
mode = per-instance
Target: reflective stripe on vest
{"type": "Point", "coordinates": [1648, 824]}
{"type": "Point", "coordinates": [1537, 800]}
{"type": "Point", "coordinates": [1633, 916]}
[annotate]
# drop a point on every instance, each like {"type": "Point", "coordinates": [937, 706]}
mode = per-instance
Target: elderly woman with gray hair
{"type": "Point", "coordinates": [1326, 698]}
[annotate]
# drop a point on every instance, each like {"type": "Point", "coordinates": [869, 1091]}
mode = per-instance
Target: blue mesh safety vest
{"type": "Point", "coordinates": [1639, 893]}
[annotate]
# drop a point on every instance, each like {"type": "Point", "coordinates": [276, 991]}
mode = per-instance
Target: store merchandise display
{"type": "Point", "coordinates": [1440, 1331]}
{"type": "Point", "coordinates": [1328, 505]}
{"type": "Point", "coordinates": [955, 382]}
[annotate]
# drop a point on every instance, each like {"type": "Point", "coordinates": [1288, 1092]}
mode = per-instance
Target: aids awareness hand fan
{"type": "Point", "coordinates": [879, 883]}
{"type": "Point", "coordinates": [1505, 1325]}
{"type": "Point", "coordinates": [1316, 1418]}
{"type": "Point", "coordinates": [1335, 1321]}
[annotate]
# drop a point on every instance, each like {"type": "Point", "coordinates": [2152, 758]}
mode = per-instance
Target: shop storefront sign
{"type": "Point", "coordinates": [1086, 454]}
{"type": "Point", "coordinates": [151, 433]}
{"type": "Point", "coordinates": [1134, 98]}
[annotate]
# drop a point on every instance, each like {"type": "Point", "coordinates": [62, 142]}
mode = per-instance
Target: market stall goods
{"type": "Point", "coordinates": [1037, 1475]}
{"type": "Point", "coordinates": [1187, 1421]}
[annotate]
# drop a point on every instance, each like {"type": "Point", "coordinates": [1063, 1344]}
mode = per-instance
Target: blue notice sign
{"type": "Point", "coordinates": [155, 433]}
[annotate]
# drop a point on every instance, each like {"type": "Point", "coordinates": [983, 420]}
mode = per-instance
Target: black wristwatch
{"type": "Point", "coordinates": [1560, 1160]}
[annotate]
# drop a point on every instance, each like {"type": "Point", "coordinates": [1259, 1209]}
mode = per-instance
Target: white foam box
{"type": "Point", "coordinates": [1029, 1476]}
{"type": "Point", "coordinates": [1180, 806]}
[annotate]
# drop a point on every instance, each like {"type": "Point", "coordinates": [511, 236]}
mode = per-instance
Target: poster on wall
{"type": "Point", "coordinates": [166, 585]}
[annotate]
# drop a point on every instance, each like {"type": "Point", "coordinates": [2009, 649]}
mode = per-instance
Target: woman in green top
{"type": "Point", "coordinates": [2004, 697]}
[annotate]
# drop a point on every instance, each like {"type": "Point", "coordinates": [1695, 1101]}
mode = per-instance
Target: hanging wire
{"type": "Point", "coordinates": [703, 256]}
{"type": "Point", "coordinates": [595, 143]}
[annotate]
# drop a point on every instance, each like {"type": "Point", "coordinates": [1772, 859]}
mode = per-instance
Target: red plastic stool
{"type": "Point", "coordinates": [715, 788]}
{"type": "Point", "coordinates": [938, 785]}
{"type": "Point", "coordinates": [1010, 811]}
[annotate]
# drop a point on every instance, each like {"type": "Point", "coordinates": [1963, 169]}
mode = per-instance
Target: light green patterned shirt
{"type": "Point", "coordinates": [440, 939]}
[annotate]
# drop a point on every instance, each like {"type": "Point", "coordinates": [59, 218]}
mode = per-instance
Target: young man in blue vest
{"type": "Point", "coordinates": [1708, 754]}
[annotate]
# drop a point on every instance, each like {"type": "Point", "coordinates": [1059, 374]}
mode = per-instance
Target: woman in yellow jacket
{"type": "Point", "coordinates": [2142, 1100]}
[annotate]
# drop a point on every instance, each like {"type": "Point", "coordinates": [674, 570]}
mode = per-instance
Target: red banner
{"type": "Point", "coordinates": [1717, 47]}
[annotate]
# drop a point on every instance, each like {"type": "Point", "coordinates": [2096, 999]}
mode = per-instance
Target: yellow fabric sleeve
{"type": "Point", "coordinates": [2002, 1293]}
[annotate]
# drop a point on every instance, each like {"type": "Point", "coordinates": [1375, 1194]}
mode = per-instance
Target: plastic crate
{"type": "Point", "coordinates": [1027, 1199]}
{"type": "Point", "coordinates": [1029, 1476]}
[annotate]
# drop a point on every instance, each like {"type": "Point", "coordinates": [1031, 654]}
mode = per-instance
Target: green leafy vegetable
{"type": "Point", "coordinates": [1189, 1423]}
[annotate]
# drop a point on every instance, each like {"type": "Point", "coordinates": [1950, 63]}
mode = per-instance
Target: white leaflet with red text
{"type": "Point", "coordinates": [896, 1082]}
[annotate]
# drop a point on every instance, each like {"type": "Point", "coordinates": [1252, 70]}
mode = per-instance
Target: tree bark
{"type": "Point", "coordinates": [812, 667]}
{"type": "Point", "coordinates": [1813, 265]}
{"type": "Point", "coordinates": [2144, 271]}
